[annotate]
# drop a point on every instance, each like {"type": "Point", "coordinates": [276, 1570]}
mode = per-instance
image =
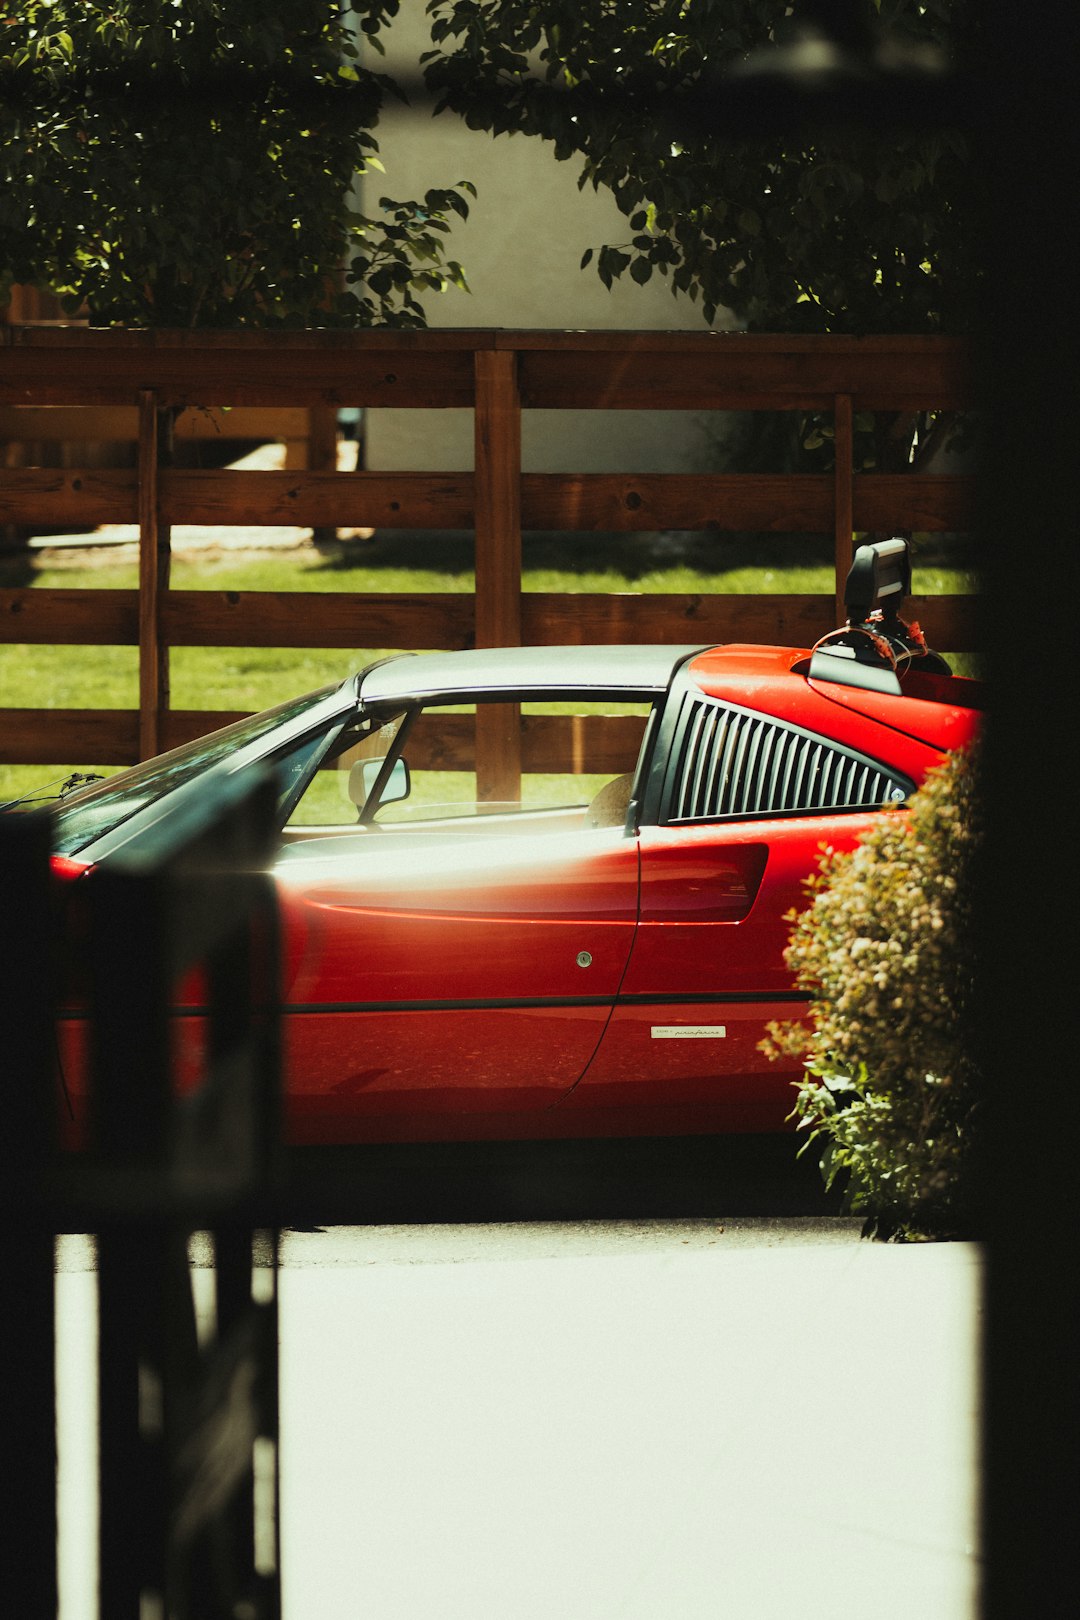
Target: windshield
{"type": "Point", "coordinates": [97, 810]}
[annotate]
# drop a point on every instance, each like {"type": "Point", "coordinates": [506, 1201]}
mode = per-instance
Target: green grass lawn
{"type": "Point", "coordinates": [254, 678]}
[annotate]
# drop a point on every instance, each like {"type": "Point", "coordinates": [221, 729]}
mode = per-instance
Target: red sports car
{"type": "Point", "coordinates": [480, 942]}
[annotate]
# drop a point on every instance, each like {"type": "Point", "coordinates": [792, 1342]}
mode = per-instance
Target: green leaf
{"type": "Point", "coordinates": [611, 263]}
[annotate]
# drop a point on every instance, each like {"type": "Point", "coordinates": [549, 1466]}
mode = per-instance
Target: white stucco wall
{"type": "Point", "coordinates": [521, 248]}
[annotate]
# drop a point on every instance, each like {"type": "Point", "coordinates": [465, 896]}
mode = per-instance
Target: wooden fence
{"type": "Point", "coordinates": [497, 374]}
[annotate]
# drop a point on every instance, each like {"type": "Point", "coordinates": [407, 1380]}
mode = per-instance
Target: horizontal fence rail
{"type": "Point", "coordinates": [154, 388]}
{"type": "Point", "coordinates": [772, 503]}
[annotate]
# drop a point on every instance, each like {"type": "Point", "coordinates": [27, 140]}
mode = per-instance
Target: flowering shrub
{"type": "Point", "coordinates": [886, 950]}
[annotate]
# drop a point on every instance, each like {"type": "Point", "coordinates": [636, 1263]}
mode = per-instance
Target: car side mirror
{"type": "Point", "coordinates": [366, 772]}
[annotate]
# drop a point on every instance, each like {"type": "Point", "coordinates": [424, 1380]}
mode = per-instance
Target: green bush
{"type": "Point", "coordinates": [191, 164]}
{"type": "Point", "coordinates": [886, 950]}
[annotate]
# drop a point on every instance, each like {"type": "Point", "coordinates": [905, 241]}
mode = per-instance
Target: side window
{"type": "Point", "coordinates": [577, 759]}
{"type": "Point", "coordinates": [730, 762]}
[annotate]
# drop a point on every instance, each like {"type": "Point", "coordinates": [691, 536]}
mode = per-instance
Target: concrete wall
{"type": "Point", "coordinates": [521, 248]}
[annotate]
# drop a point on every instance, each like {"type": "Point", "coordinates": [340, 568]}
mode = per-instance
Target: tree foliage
{"type": "Point", "coordinates": [843, 231]}
{"type": "Point", "coordinates": [886, 951]}
{"type": "Point", "coordinates": [189, 164]}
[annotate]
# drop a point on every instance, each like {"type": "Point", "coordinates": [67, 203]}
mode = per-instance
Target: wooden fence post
{"type": "Point", "coordinates": [322, 456]}
{"type": "Point", "coordinates": [498, 559]}
{"type": "Point", "coordinates": [844, 496]}
{"type": "Point", "coordinates": [155, 441]}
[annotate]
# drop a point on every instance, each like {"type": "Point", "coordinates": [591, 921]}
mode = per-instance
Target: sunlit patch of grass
{"type": "Point", "coordinates": [944, 582]}
{"type": "Point", "coordinates": [254, 678]}
{"type": "Point", "coordinates": [33, 677]}
{"type": "Point", "coordinates": [306, 571]}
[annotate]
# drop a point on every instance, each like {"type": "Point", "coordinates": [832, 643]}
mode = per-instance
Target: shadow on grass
{"type": "Point", "coordinates": [709, 552]}
{"type": "Point", "coordinates": [451, 551]}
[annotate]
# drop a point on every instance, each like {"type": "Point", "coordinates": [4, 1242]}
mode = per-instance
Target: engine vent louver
{"type": "Point", "coordinates": [736, 763]}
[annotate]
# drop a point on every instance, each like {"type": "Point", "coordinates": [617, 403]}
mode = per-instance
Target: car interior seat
{"type": "Point", "coordinates": [609, 807]}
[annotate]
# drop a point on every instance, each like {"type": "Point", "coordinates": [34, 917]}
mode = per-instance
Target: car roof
{"type": "Point", "coordinates": [610, 670]}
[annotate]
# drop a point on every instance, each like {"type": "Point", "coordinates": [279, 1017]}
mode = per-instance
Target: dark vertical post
{"type": "Point", "coordinates": [186, 1427]}
{"type": "Point", "coordinates": [1030, 523]}
{"type": "Point", "coordinates": [843, 496]}
{"type": "Point", "coordinates": [497, 482]}
{"type": "Point", "coordinates": [129, 1131]}
{"type": "Point", "coordinates": [155, 436]}
{"type": "Point", "coordinates": [27, 1148]}
{"type": "Point", "coordinates": [133, 1338]}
